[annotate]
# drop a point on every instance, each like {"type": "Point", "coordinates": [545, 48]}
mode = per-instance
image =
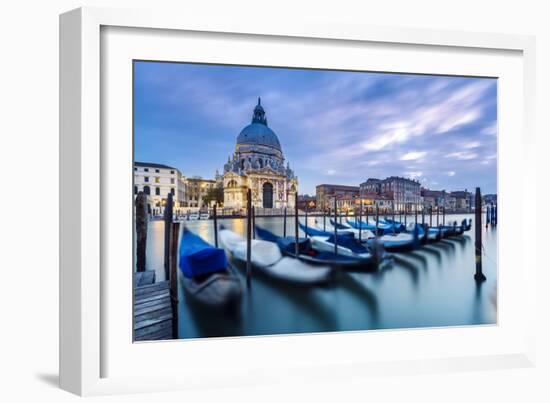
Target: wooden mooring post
{"type": "Point", "coordinates": [168, 219]}
{"type": "Point", "coordinates": [305, 211]}
{"type": "Point", "coordinates": [376, 229]}
{"type": "Point", "coordinates": [284, 222]}
{"type": "Point", "coordinates": [296, 232]}
{"type": "Point", "coordinates": [174, 300]}
{"type": "Point", "coordinates": [248, 236]}
{"type": "Point", "coordinates": [360, 218]}
{"type": "Point", "coordinates": [393, 217]}
{"type": "Point", "coordinates": [253, 222]}
{"type": "Point", "coordinates": [215, 213]}
{"type": "Point", "coordinates": [479, 276]}
{"type": "Point", "coordinates": [335, 229]}
{"type": "Point", "coordinates": [141, 231]}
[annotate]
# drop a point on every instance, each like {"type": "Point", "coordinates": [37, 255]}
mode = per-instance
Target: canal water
{"type": "Point", "coordinates": [431, 287]}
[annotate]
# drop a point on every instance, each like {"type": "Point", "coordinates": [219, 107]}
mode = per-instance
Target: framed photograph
{"type": "Point", "coordinates": [242, 203]}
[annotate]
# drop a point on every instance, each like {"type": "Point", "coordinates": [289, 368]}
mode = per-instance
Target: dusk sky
{"type": "Point", "coordinates": [334, 127]}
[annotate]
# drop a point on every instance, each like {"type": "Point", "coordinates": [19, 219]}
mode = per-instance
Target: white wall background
{"type": "Point", "coordinates": [29, 197]}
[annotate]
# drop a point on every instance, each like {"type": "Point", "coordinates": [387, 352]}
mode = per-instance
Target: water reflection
{"type": "Point", "coordinates": [432, 286]}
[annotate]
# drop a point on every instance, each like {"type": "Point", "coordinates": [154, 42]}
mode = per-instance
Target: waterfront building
{"type": "Point", "coordinates": [433, 198]}
{"type": "Point", "coordinates": [352, 205]}
{"type": "Point", "coordinates": [325, 194]}
{"type": "Point", "coordinates": [258, 164]}
{"type": "Point", "coordinates": [197, 189]}
{"type": "Point", "coordinates": [307, 201]}
{"type": "Point", "coordinates": [404, 192]}
{"type": "Point", "coordinates": [463, 200]}
{"type": "Point", "coordinates": [157, 181]}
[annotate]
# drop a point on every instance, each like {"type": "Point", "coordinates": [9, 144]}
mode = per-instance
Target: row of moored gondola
{"type": "Point", "coordinates": [209, 273]}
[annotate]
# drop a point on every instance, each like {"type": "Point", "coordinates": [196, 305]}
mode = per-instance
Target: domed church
{"type": "Point", "coordinates": [258, 164]}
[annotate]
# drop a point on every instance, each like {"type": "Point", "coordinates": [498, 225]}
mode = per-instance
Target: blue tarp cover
{"type": "Point", "coordinates": [348, 241]}
{"type": "Point", "coordinates": [197, 257]}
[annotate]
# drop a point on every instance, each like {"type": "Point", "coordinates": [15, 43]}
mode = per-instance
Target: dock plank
{"type": "Point", "coordinates": [153, 315]}
{"type": "Point", "coordinates": [145, 332]}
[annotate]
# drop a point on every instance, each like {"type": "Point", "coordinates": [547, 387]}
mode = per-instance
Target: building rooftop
{"type": "Point", "coordinates": [152, 165]}
{"type": "Point", "coordinates": [349, 187]}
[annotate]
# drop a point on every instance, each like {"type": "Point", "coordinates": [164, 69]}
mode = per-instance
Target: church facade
{"type": "Point", "coordinates": [258, 164]}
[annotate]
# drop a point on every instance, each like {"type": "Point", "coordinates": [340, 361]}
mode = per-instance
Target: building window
{"type": "Point", "coordinates": [157, 179]}
{"type": "Point", "coordinates": [135, 169]}
{"type": "Point", "coordinates": [157, 171]}
{"type": "Point", "coordinates": [173, 191]}
{"type": "Point", "coordinates": [172, 172]}
{"type": "Point", "coordinates": [135, 190]}
{"type": "Point", "coordinates": [157, 191]}
{"type": "Point", "coordinates": [146, 178]}
{"type": "Point", "coordinates": [146, 169]}
{"type": "Point", "coordinates": [172, 181]}
{"type": "Point", "coordinates": [146, 190]}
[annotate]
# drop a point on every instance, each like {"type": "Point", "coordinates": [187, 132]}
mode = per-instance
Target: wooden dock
{"type": "Point", "coordinates": [153, 314]}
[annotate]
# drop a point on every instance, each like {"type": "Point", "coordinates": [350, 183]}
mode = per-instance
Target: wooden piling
{"type": "Point", "coordinates": [437, 215]}
{"type": "Point", "coordinates": [479, 276]}
{"type": "Point", "coordinates": [393, 217]}
{"type": "Point", "coordinates": [360, 218]}
{"type": "Point", "coordinates": [284, 222]}
{"type": "Point", "coordinates": [141, 231]}
{"type": "Point", "coordinates": [335, 229]}
{"type": "Point", "coordinates": [496, 213]}
{"type": "Point", "coordinates": [296, 232]}
{"type": "Point", "coordinates": [174, 300]}
{"type": "Point", "coordinates": [305, 210]}
{"type": "Point", "coordinates": [168, 218]}
{"type": "Point", "coordinates": [376, 229]}
{"type": "Point", "coordinates": [423, 216]}
{"type": "Point", "coordinates": [324, 219]}
{"type": "Point", "coordinates": [253, 222]}
{"type": "Point", "coordinates": [249, 237]}
{"type": "Point", "coordinates": [431, 213]}
{"type": "Point", "coordinates": [215, 213]}
{"type": "Point", "coordinates": [443, 211]}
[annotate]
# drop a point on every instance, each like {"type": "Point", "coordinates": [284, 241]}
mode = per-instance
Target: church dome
{"type": "Point", "coordinates": [257, 132]}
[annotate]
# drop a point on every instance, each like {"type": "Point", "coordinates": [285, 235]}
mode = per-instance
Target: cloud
{"type": "Point", "coordinates": [451, 173]}
{"type": "Point", "coordinates": [462, 155]}
{"type": "Point", "coordinates": [413, 155]}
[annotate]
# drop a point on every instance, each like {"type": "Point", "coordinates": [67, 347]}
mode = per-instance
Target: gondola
{"type": "Point", "coordinates": [307, 253]}
{"type": "Point", "coordinates": [398, 242]}
{"type": "Point", "coordinates": [207, 276]}
{"type": "Point", "coordinates": [347, 244]}
{"type": "Point", "coordinates": [366, 234]}
{"type": "Point", "coordinates": [383, 227]}
{"type": "Point", "coordinates": [266, 258]}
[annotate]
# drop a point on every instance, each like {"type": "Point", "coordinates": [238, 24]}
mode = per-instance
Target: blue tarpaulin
{"type": "Point", "coordinates": [197, 257]}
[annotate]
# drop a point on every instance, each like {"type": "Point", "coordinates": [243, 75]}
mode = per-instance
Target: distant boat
{"type": "Point", "coordinates": [366, 234]}
{"type": "Point", "coordinates": [383, 227]}
{"type": "Point", "coordinates": [207, 276]}
{"type": "Point", "coordinates": [398, 242]}
{"type": "Point", "coordinates": [267, 259]}
{"type": "Point", "coordinates": [193, 216]}
{"type": "Point", "coordinates": [308, 253]}
{"type": "Point", "coordinates": [204, 216]}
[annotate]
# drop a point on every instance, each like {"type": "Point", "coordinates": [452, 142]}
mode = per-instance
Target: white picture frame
{"type": "Point", "coordinates": [88, 332]}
